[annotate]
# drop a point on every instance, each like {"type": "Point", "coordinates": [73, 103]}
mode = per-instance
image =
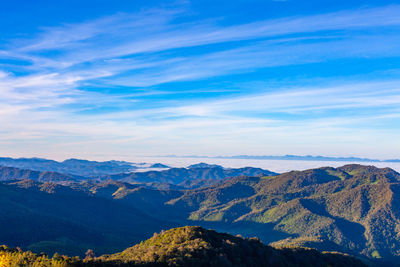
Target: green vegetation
{"type": "Point", "coordinates": [352, 209]}
{"type": "Point", "coordinates": [188, 246]}
{"type": "Point", "coordinates": [196, 246]}
{"type": "Point", "coordinates": [15, 257]}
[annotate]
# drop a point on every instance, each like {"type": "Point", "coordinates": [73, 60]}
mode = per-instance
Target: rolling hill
{"type": "Point", "coordinates": [190, 246]}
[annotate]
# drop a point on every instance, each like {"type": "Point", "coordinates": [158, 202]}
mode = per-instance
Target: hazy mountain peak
{"type": "Point", "coordinates": [203, 165]}
{"type": "Point", "coordinates": [159, 165]}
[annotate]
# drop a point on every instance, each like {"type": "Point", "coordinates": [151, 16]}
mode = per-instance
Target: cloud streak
{"type": "Point", "coordinates": [119, 80]}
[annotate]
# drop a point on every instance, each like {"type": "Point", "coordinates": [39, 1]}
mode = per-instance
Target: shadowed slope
{"type": "Point", "coordinates": [49, 217]}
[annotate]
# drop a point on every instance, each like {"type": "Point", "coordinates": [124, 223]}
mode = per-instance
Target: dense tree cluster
{"type": "Point", "coordinates": [196, 246]}
{"type": "Point", "coordinates": [187, 246]}
{"type": "Point", "coordinates": [10, 257]}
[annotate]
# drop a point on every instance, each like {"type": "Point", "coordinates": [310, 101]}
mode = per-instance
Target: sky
{"type": "Point", "coordinates": [119, 79]}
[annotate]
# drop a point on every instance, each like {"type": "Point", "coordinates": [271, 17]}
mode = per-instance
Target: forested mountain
{"type": "Point", "coordinates": [352, 209]}
{"type": "Point", "coordinates": [190, 246]}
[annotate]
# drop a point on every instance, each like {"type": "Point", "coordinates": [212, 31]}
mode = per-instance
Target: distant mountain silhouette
{"type": "Point", "coordinates": [159, 165]}
{"type": "Point", "coordinates": [202, 165]}
{"type": "Point", "coordinates": [289, 157]}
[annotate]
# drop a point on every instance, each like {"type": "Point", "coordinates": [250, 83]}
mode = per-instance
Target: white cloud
{"type": "Point", "coordinates": [51, 106]}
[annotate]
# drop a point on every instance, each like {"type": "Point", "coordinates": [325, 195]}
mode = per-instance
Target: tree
{"type": "Point", "coordinates": [89, 254]}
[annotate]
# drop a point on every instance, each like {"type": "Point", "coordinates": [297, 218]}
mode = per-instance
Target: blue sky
{"type": "Point", "coordinates": [116, 79]}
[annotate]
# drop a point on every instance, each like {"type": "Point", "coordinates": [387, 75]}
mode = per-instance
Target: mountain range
{"type": "Point", "coordinates": [289, 157]}
{"type": "Point", "coordinates": [193, 176]}
{"type": "Point", "coordinates": [352, 209]}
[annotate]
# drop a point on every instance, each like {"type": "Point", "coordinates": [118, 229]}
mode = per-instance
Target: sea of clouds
{"type": "Point", "coordinates": [272, 165]}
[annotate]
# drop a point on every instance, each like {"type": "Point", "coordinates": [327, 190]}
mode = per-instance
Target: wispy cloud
{"type": "Point", "coordinates": [102, 80]}
{"type": "Point", "coordinates": [151, 31]}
